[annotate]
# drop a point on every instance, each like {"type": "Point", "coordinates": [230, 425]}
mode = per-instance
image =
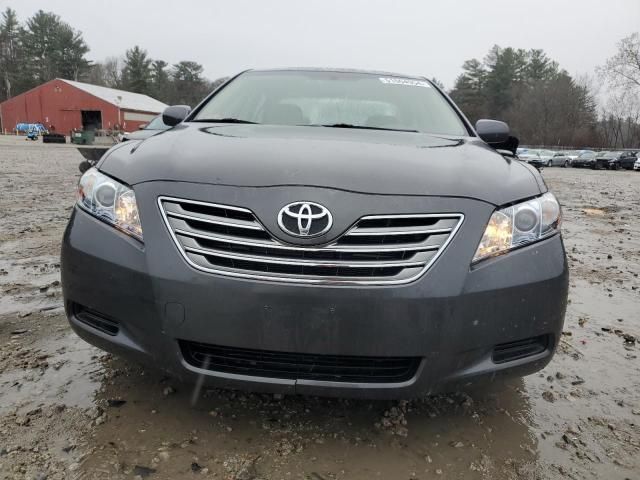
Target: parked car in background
{"type": "Point", "coordinates": [573, 154]}
{"type": "Point", "coordinates": [628, 159]}
{"type": "Point", "coordinates": [636, 166]}
{"type": "Point", "coordinates": [531, 156]}
{"type": "Point", "coordinates": [560, 159]}
{"type": "Point", "coordinates": [608, 160]}
{"type": "Point", "coordinates": [585, 159]}
{"type": "Point", "coordinates": [152, 128]}
{"type": "Point", "coordinates": [546, 156]}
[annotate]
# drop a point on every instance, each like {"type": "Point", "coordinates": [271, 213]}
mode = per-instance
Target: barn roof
{"type": "Point", "coordinates": [121, 98]}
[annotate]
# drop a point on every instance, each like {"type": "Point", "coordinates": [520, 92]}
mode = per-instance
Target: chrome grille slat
{"type": "Point", "coordinates": [182, 201]}
{"type": "Point", "coordinates": [408, 231]}
{"type": "Point", "coordinates": [227, 223]}
{"type": "Point", "coordinates": [334, 263]}
{"type": "Point", "coordinates": [200, 262]}
{"type": "Point", "coordinates": [376, 250]}
{"type": "Point", "coordinates": [333, 248]}
{"type": "Point", "coordinates": [183, 225]}
{"type": "Point", "coordinates": [303, 255]}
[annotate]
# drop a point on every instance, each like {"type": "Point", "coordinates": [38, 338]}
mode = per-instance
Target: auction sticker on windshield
{"type": "Point", "coordinates": [405, 81]}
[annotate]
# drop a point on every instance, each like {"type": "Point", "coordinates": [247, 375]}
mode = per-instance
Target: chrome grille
{"type": "Point", "coordinates": [377, 250]}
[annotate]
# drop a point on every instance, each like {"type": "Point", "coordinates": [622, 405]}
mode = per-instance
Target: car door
{"type": "Point", "coordinates": [627, 160]}
{"type": "Point", "coordinates": [558, 159]}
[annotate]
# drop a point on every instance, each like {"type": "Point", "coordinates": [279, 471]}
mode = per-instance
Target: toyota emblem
{"type": "Point", "coordinates": [305, 219]}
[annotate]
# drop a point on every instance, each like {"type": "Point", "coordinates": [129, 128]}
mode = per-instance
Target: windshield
{"type": "Point", "coordinates": [611, 155]}
{"type": "Point", "coordinates": [334, 99]}
{"type": "Point", "coordinates": [586, 155]}
{"type": "Point", "coordinates": [157, 124]}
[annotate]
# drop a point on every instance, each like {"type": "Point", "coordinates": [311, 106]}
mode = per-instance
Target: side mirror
{"type": "Point", "coordinates": [175, 114]}
{"type": "Point", "coordinates": [84, 166]}
{"type": "Point", "coordinates": [492, 131]}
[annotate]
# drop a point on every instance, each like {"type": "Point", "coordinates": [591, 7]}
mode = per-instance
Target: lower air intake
{"type": "Point", "coordinates": [96, 320]}
{"type": "Point", "coordinates": [297, 366]}
{"type": "Point", "coordinates": [508, 352]}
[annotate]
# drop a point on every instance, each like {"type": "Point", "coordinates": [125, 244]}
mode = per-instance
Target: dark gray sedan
{"type": "Point", "coordinates": [323, 232]}
{"type": "Point", "coordinates": [586, 159]}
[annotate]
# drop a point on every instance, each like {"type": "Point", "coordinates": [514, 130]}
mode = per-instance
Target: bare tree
{"type": "Point", "coordinates": [623, 69]}
{"type": "Point", "coordinates": [620, 118]}
{"type": "Point", "coordinates": [113, 71]}
{"type": "Point", "coordinates": [107, 73]}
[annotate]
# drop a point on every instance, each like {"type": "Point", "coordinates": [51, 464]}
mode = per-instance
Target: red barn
{"type": "Point", "coordinates": [64, 105]}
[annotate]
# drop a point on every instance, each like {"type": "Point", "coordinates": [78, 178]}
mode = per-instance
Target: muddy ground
{"type": "Point", "coordinates": [68, 410]}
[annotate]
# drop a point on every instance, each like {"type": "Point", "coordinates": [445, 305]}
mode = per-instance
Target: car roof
{"type": "Point", "coordinates": [338, 70]}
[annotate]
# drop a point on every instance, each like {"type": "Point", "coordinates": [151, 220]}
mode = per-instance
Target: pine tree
{"type": "Point", "coordinates": [136, 74]}
{"type": "Point", "coordinates": [188, 83]}
{"type": "Point", "coordinates": [52, 49]}
{"type": "Point", "coordinates": [160, 82]}
{"type": "Point", "coordinates": [468, 91]}
{"type": "Point", "coordinates": [10, 55]}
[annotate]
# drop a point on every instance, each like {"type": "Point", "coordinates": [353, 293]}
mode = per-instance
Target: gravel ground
{"type": "Point", "coordinates": [68, 410]}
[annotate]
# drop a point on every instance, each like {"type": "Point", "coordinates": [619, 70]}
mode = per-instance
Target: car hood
{"type": "Point", "coordinates": [366, 161]}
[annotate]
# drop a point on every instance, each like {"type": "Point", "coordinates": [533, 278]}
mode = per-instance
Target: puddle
{"type": "Point", "coordinates": [29, 284]}
{"type": "Point", "coordinates": [460, 436]}
{"type": "Point", "coordinates": [594, 211]}
{"type": "Point", "coordinates": [68, 373]}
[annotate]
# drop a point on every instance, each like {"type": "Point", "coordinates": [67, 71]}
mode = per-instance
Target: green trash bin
{"type": "Point", "coordinates": [86, 137]}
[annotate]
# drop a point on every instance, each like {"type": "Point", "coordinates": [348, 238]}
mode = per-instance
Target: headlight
{"type": "Point", "coordinates": [519, 225]}
{"type": "Point", "coordinates": [110, 201]}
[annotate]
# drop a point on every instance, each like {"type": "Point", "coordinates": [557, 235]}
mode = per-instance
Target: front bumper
{"type": "Point", "coordinates": [578, 163]}
{"type": "Point", "coordinates": [451, 318]}
{"type": "Point", "coordinates": [604, 164]}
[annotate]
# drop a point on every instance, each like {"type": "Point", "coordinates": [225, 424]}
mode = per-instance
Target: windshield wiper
{"type": "Point", "coordinates": [223, 120]}
{"type": "Point", "coordinates": [362, 127]}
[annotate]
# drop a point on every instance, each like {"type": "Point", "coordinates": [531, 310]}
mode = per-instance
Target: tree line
{"type": "Point", "coordinates": [542, 103]}
{"type": "Point", "coordinates": [45, 47]}
{"type": "Point", "coordinates": [181, 83]}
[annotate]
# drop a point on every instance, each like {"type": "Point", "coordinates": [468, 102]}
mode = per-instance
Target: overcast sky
{"type": "Point", "coordinates": [415, 37]}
